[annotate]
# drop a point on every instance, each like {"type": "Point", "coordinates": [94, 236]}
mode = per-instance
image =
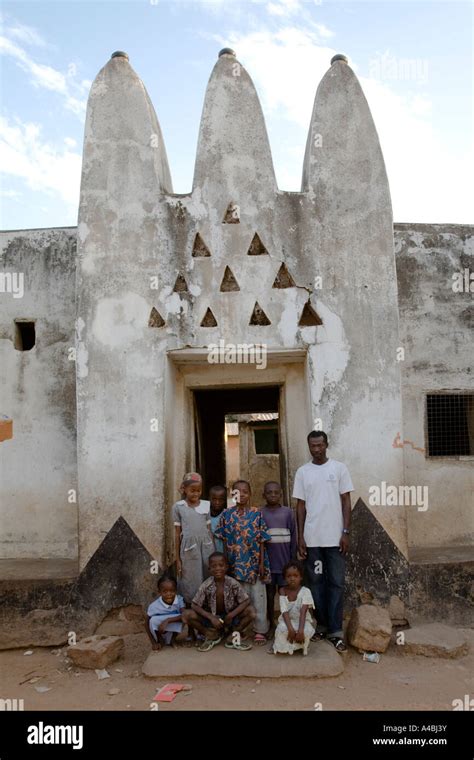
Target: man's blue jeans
{"type": "Point", "coordinates": [325, 566]}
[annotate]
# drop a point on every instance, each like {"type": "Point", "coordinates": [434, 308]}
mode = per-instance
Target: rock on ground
{"type": "Point", "coordinates": [369, 628]}
{"type": "Point", "coordinates": [96, 652]}
{"type": "Point", "coordinates": [396, 610]}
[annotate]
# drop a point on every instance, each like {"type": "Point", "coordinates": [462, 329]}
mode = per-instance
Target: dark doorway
{"type": "Point", "coordinates": [211, 407]}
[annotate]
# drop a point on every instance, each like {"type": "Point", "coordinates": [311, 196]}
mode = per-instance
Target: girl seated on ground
{"type": "Point", "coordinates": [294, 628]}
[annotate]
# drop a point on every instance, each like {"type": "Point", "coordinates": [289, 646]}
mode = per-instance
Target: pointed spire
{"type": "Point", "coordinates": [343, 162]}
{"type": "Point", "coordinates": [124, 152]}
{"type": "Point", "coordinates": [233, 149]}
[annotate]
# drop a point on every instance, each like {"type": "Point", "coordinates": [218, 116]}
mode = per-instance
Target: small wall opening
{"type": "Point", "coordinates": [180, 285]}
{"type": "Point", "coordinates": [229, 283]}
{"type": "Point", "coordinates": [155, 320]}
{"type": "Point", "coordinates": [209, 319]}
{"type": "Point", "coordinates": [258, 316]}
{"type": "Point", "coordinates": [283, 278]}
{"type": "Point", "coordinates": [232, 214]}
{"type": "Point", "coordinates": [25, 334]}
{"type": "Point", "coordinates": [309, 317]}
{"type": "Point", "coordinates": [256, 247]}
{"type": "Point", "coordinates": [200, 249]}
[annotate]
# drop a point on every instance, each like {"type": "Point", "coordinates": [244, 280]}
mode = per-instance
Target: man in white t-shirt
{"type": "Point", "coordinates": [322, 488]}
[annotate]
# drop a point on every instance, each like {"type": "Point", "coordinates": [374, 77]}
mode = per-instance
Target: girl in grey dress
{"type": "Point", "coordinates": [193, 538]}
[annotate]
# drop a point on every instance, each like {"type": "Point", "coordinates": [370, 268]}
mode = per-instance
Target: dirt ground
{"type": "Point", "coordinates": [398, 682]}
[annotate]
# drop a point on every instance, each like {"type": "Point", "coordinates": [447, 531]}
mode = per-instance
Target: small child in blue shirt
{"type": "Point", "coordinates": [164, 615]}
{"type": "Point", "coordinates": [218, 499]}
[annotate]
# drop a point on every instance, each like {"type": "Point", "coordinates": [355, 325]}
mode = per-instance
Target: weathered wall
{"type": "Point", "coordinates": [38, 466]}
{"type": "Point", "coordinates": [436, 326]}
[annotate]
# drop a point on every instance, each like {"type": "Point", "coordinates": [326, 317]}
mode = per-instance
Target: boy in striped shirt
{"type": "Point", "coordinates": [281, 548]}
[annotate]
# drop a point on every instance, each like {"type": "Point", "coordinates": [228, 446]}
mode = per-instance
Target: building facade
{"type": "Point", "coordinates": [364, 326]}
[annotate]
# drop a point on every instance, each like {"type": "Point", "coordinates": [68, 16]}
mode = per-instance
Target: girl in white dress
{"type": "Point", "coordinates": [295, 627]}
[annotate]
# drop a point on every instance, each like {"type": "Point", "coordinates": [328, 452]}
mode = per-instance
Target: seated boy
{"type": "Point", "coordinates": [220, 608]}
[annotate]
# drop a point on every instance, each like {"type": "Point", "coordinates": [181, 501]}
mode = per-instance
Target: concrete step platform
{"type": "Point", "coordinates": [322, 661]}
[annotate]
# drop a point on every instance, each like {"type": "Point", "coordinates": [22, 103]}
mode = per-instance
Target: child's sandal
{"type": "Point", "coordinates": [260, 639]}
{"type": "Point", "coordinates": [242, 646]}
{"type": "Point", "coordinates": [338, 644]}
{"type": "Point", "coordinates": [209, 644]}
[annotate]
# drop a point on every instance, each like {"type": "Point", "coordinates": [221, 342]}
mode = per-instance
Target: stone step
{"type": "Point", "coordinates": [322, 661]}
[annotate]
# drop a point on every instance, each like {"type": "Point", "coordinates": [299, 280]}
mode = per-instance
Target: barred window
{"type": "Point", "coordinates": [450, 424]}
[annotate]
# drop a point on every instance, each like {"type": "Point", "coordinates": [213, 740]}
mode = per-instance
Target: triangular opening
{"type": "Point", "coordinates": [283, 278]}
{"type": "Point", "coordinates": [256, 247]}
{"type": "Point", "coordinates": [199, 247]}
{"type": "Point", "coordinates": [258, 316]}
{"type": "Point", "coordinates": [309, 317]}
{"type": "Point", "coordinates": [228, 281]}
{"type": "Point", "coordinates": [232, 215]}
{"type": "Point", "coordinates": [155, 320]}
{"type": "Point", "coordinates": [209, 319]}
{"type": "Point", "coordinates": [180, 285]}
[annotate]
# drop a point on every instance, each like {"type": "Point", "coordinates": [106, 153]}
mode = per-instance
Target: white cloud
{"type": "Point", "coordinates": [46, 77]}
{"type": "Point", "coordinates": [14, 194]}
{"type": "Point", "coordinates": [427, 176]}
{"type": "Point", "coordinates": [283, 7]}
{"type": "Point", "coordinates": [26, 34]}
{"type": "Point", "coordinates": [26, 155]}
{"type": "Point", "coordinates": [323, 31]}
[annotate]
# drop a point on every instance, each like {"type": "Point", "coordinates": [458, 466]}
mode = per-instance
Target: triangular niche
{"type": "Point", "coordinates": [229, 282]}
{"type": "Point", "coordinates": [209, 319]}
{"type": "Point", "coordinates": [309, 317]}
{"type": "Point", "coordinates": [180, 285]}
{"type": "Point", "coordinates": [232, 215]}
{"type": "Point", "coordinates": [258, 316]}
{"type": "Point", "coordinates": [256, 247]}
{"type": "Point", "coordinates": [200, 249]}
{"type": "Point", "coordinates": [155, 320]}
{"type": "Point", "coordinates": [283, 278]}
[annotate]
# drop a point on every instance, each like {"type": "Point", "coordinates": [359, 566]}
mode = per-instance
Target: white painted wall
{"type": "Point", "coordinates": [436, 331]}
{"type": "Point", "coordinates": [38, 465]}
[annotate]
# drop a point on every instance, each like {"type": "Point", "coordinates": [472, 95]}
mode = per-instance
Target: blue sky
{"type": "Point", "coordinates": [413, 59]}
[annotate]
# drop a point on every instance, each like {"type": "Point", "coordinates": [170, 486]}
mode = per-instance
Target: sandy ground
{"type": "Point", "coordinates": [398, 682]}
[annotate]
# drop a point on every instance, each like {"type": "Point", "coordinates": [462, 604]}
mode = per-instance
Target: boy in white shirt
{"type": "Point", "coordinates": [322, 488]}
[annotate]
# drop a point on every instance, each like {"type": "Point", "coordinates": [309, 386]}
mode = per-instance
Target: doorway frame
{"type": "Point", "coordinates": [188, 370]}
